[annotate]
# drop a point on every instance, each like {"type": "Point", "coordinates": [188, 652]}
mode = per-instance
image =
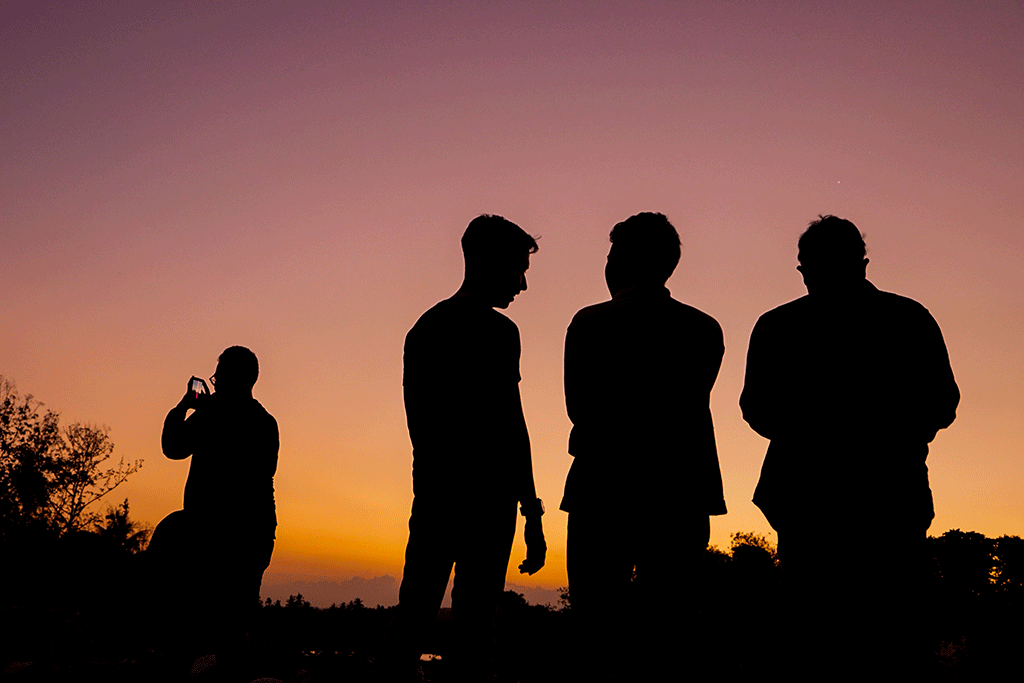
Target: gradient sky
{"type": "Point", "coordinates": [179, 177]}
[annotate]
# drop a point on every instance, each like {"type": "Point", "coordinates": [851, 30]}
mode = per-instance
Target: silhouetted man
{"type": "Point", "coordinates": [471, 455]}
{"type": "Point", "coordinates": [219, 545]}
{"type": "Point", "coordinates": [639, 370]}
{"type": "Point", "coordinates": [850, 384]}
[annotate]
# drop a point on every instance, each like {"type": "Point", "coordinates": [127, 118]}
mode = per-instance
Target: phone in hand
{"type": "Point", "coordinates": [197, 387]}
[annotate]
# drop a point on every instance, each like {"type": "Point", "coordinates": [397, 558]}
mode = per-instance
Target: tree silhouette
{"type": "Point", "coordinates": [748, 547]}
{"type": "Point", "coordinates": [965, 563]}
{"type": "Point", "coordinates": [51, 477]}
{"type": "Point", "coordinates": [1009, 566]}
{"type": "Point", "coordinates": [120, 532]}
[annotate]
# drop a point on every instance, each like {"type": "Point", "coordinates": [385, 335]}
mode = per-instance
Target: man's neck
{"type": "Point", "coordinates": [639, 289]}
{"type": "Point", "coordinates": [470, 293]}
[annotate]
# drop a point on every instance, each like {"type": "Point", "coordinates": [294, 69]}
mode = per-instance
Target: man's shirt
{"type": "Point", "coordinates": [234, 447]}
{"type": "Point", "coordinates": [465, 417]}
{"type": "Point", "coordinates": [639, 370]}
{"type": "Point", "coordinates": [850, 392]}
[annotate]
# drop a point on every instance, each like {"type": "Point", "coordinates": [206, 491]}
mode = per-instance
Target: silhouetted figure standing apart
{"type": "Point", "coordinates": [639, 370]}
{"type": "Point", "coordinates": [850, 384]}
{"type": "Point", "coordinates": [212, 554]}
{"type": "Point", "coordinates": [471, 456]}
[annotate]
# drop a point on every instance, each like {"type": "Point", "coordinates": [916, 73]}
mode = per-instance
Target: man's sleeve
{"type": "Point", "coordinates": [716, 353]}
{"type": "Point", "coordinates": [414, 389]}
{"type": "Point", "coordinates": [579, 392]}
{"type": "Point", "coordinates": [274, 445]}
{"type": "Point", "coordinates": [756, 400]}
{"type": "Point", "coordinates": [526, 489]}
{"type": "Point", "coordinates": [178, 437]}
{"type": "Point", "coordinates": [940, 393]}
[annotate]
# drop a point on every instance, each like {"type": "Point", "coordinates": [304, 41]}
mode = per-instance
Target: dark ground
{"type": "Point", "coordinates": [79, 617]}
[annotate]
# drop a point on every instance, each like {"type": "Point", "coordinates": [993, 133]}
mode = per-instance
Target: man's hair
{"type": "Point", "coordinates": [241, 364]}
{"type": "Point", "coordinates": [831, 240]}
{"type": "Point", "coordinates": [490, 237]}
{"type": "Point", "coordinates": [648, 241]}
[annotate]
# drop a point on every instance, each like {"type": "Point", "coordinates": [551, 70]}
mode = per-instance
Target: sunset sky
{"type": "Point", "coordinates": [179, 177]}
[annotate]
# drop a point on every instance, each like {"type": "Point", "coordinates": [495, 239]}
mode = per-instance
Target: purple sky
{"type": "Point", "coordinates": [178, 177]}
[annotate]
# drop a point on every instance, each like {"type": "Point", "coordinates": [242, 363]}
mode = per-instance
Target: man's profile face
{"type": "Point", "coordinates": [615, 273]}
{"type": "Point", "coordinates": [508, 279]}
{"type": "Point", "coordinates": [223, 378]}
{"type": "Point", "coordinates": [228, 381]}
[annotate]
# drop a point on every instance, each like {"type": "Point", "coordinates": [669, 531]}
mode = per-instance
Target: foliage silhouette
{"type": "Point", "coordinates": [50, 477]}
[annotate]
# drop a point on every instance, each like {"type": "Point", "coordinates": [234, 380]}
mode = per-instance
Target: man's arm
{"type": "Point", "coordinates": [273, 445]}
{"type": "Point", "coordinates": [526, 490]}
{"type": "Point", "coordinates": [756, 399]}
{"type": "Point", "coordinates": [531, 507]}
{"type": "Point", "coordinates": [177, 439]}
{"type": "Point", "coordinates": [939, 391]}
{"type": "Point", "coordinates": [578, 394]}
{"type": "Point", "coordinates": [715, 355]}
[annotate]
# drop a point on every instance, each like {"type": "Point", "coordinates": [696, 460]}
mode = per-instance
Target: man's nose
{"type": "Point", "coordinates": [522, 283]}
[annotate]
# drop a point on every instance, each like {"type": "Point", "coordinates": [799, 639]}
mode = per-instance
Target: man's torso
{"type": "Point", "coordinates": [461, 370]}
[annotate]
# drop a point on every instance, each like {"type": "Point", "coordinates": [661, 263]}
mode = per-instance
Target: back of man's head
{"type": "Point", "coordinates": [832, 256]}
{"type": "Point", "coordinates": [237, 368]}
{"type": "Point", "coordinates": [831, 242]}
{"type": "Point", "coordinates": [489, 239]}
{"type": "Point", "coordinates": [646, 246]}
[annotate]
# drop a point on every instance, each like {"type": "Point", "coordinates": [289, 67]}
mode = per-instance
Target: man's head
{"type": "Point", "coordinates": [237, 370]}
{"type": "Point", "coordinates": [497, 253]}
{"type": "Point", "coordinates": [832, 255]}
{"type": "Point", "coordinates": [645, 250]}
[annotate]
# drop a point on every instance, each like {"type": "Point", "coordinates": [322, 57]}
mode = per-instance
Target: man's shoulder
{"type": "Point", "coordinates": [805, 307]}
{"type": "Point", "coordinates": [900, 302]}
{"type": "Point", "coordinates": [794, 307]}
{"type": "Point", "coordinates": [219, 409]}
{"type": "Point", "coordinates": [452, 318]}
{"type": "Point", "coordinates": [664, 307]}
{"type": "Point", "coordinates": [693, 315]}
{"type": "Point", "coordinates": [457, 311]}
{"type": "Point", "coordinates": [593, 311]}
{"type": "Point", "coordinates": [797, 308]}
{"type": "Point", "coordinates": [262, 414]}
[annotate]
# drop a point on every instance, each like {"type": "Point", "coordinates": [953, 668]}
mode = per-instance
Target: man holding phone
{"type": "Point", "coordinates": [219, 545]}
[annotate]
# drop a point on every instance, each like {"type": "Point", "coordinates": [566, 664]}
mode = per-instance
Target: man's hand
{"type": "Point", "coordinates": [191, 399]}
{"type": "Point", "coordinates": [536, 548]}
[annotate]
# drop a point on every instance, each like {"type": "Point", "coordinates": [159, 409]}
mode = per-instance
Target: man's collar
{"type": "Point", "coordinates": [862, 289]}
{"type": "Point", "coordinates": [641, 289]}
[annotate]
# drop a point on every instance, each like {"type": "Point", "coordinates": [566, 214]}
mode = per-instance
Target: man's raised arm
{"type": "Point", "coordinates": [177, 440]}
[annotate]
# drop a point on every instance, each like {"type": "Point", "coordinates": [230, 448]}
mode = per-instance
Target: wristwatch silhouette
{"type": "Point", "coordinates": [532, 508]}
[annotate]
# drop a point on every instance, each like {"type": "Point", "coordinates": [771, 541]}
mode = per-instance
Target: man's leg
{"type": "Point", "coordinates": [854, 616]}
{"type": "Point", "coordinates": [485, 543]}
{"type": "Point", "coordinates": [666, 595]}
{"type": "Point", "coordinates": [890, 603]}
{"type": "Point", "coordinates": [814, 592]}
{"type": "Point", "coordinates": [428, 566]}
{"type": "Point", "coordinates": [243, 562]}
{"type": "Point", "coordinates": [600, 561]}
